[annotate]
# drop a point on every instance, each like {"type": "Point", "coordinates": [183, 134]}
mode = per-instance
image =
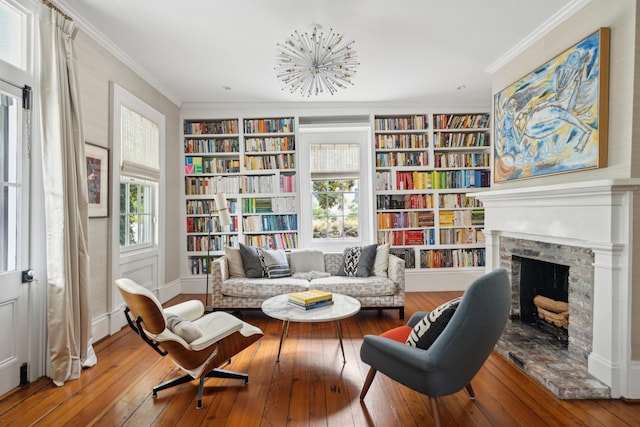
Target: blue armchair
{"type": "Point", "coordinates": [458, 353]}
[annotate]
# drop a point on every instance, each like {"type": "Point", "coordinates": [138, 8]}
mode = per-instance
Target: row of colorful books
{"type": "Point", "coordinates": [308, 300]}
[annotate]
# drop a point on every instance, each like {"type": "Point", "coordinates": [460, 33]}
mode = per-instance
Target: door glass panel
{"type": "Point", "coordinates": [12, 36]}
{"type": "Point", "coordinates": [9, 182]}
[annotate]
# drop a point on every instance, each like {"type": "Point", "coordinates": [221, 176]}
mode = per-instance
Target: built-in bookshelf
{"type": "Point", "coordinates": [253, 161]}
{"type": "Point", "coordinates": [425, 166]}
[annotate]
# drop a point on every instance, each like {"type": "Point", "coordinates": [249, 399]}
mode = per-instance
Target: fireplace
{"type": "Point", "coordinates": [587, 227]}
{"type": "Point", "coordinates": [544, 297]}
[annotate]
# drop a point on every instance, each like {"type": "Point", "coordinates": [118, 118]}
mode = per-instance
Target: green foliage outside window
{"type": "Point", "coordinates": [335, 209]}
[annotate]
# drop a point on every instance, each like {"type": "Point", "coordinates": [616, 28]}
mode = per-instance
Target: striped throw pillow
{"type": "Point", "coordinates": [274, 263]}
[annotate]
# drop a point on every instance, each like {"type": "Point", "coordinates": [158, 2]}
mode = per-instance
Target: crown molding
{"type": "Point", "coordinates": [113, 49]}
{"type": "Point", "coordinates": [561, 16]}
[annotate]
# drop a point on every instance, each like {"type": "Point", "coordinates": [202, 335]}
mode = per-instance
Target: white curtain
{"type": "Point", "coordinates": [66, 203]}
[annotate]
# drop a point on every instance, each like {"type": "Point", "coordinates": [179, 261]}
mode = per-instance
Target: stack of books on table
{"type": "Point", "coordinates": [308, 300]}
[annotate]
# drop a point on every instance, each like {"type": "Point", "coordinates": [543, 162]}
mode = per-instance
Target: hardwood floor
{"type": "Point", "coordinates": [310, 386]}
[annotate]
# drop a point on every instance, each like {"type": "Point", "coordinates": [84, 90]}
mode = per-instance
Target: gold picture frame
{"type": "Point", "coordinates": [555, 119]}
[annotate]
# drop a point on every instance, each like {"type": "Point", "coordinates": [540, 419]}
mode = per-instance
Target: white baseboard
{"type": "Point", "coordinates": [194, 285]}
{"type": "Point", "coordinates": [440, 280]}
{"type": "Point", "coordinates": [633, 383]}
{"type": "Point", "coordinates": [169, 290]}
{"type": "Point", "coordinates": [100, 327]}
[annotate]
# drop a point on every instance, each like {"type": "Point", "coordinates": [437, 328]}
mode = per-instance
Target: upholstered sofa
{"type": "Point", "coordinates": [310, 269]}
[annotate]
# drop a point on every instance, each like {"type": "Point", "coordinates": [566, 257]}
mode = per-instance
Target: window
{"type": "Point", "coordinates": [335, 181]}
{"type": "Point", "coordinates": [139, 175]}
{"type": "Point", "coordinates": [10, 182]}
{"type": "Point", "coordinates": [136, 212]}
{"type": "Point", "coordinates": [13, 35]}
{"type": "Point", "coordinates": [334, 190]}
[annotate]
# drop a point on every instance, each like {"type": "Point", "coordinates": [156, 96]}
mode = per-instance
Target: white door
{"type": "Point", "coordinates": [14, 226]}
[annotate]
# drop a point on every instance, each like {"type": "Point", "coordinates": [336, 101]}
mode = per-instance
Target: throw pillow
{"type": "Point", "coordinates": [251, 261]}
{"type": "Point", "coordinates": [274, 263]}
{"type": "Point", "coordinates": [400, 334]}
{"type": "Point", "coordinates": [305, 260]}
{"type": "Point", "coordinates": [427, 330]}
{"type": "Point", "coordinates": [183, 328]}
{"type": "Point", "coordinates": [381, 263]}
{"type": "Point", "coordinates": [357, 261]}
{"type": "Point", "coordinates": [234, 260]}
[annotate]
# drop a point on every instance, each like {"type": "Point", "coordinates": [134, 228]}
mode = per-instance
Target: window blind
{"type": "Point", "coordinates": [335, 161]}
{"type": "Point", "coordinates": [140, 145]}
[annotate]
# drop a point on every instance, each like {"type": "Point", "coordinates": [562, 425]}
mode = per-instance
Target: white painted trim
{"type": "Point", "coordinates": [551, 23]}
{"type": "Point", "coordinates": [169, 290]}
{"type": "Point", "coordinates": [633, 383]}
{"type": "Point", "coordinates": [100, 327]}
{"type": "Point", "coordinates": [123, 260]}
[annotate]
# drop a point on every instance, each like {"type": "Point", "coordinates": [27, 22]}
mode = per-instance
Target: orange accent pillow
{"type": "Point", "coordinates": [400, 334]}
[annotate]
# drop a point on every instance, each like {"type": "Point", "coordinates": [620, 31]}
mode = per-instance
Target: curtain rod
{"type": "Point", "coordinates": [56, 8]}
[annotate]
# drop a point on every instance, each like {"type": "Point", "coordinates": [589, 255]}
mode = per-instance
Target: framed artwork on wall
{"type": "Point", "coordinates": [97, 180]}
{"type": "Point", "coordinates": [555, 119]}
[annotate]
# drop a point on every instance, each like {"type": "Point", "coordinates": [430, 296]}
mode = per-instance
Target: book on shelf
{"type": "Point", "coordinates": [310, 306]}
{"type": "Point", "coordinates": [311, 296]}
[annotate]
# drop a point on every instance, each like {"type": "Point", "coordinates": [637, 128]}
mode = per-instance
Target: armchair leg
{"type": "Point", "coordinates": [367, 383]}
{"type": "Point", "coordinates": [172, 383]}
{"type": "Point", "coordinates": [223, 373]}
{"type": "Point", "coordinates": [433, 401]}
{"type": "Point", "coordinates": [472, 395]}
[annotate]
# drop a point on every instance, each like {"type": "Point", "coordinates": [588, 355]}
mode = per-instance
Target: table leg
{"type": "Point", "coordinates": [339, 327]}
{"type": "Point", "coordinates": [285, 328]}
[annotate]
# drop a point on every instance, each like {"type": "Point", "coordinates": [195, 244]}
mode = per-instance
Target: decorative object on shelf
{"type": "Point", "coordinates": [222, 208]}
{"type": "Point", "coordinates": [554, 119]}
{"type": "Point", "coordinates": [97, 159]}
{"type": "Point", "coordinates": [316, 63]}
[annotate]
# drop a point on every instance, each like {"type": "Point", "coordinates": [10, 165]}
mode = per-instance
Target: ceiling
{"type": "Point", "coordinates": [410, 51]}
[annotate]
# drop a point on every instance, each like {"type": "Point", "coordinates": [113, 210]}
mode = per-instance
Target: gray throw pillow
{"type": "Point", "coordinates": [305, 260]}
{"type": "Point", "coordinates": [251, 261]}
{"type": "Point", "coordinates": [357, 261]}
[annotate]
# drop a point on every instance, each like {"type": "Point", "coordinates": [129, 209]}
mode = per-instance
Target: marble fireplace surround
{"type": "Point", "coordinates": [595, 215]}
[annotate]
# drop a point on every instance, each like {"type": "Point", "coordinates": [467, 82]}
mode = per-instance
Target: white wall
{"type": "Point", "coordinates": [97, 69]}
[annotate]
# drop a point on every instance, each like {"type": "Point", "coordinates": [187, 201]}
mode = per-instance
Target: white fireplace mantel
{"type": "Point", "coordinates": [595, 214]}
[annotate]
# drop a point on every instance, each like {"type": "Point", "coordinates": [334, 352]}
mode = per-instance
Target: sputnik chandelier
{"type": "Point", "coordinates": [316, 63]}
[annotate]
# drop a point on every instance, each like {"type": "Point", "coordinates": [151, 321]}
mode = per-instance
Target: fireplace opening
{"type": "Point", "coordinates": [544, 297]}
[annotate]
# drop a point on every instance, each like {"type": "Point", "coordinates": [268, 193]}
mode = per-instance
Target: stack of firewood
{"type": "Point", "coordinates": [552, 311]}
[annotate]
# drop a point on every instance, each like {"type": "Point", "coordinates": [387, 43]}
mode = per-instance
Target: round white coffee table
{"type": "Point", "coordinates": [279, 308]}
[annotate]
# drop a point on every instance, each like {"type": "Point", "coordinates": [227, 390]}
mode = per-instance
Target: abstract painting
{"type": "Point", "coordinates": [554, 120]}
{"type": "Point", "coordinates": [97, 180]}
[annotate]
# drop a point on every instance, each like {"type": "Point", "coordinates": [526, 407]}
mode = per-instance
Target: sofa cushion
{"type": "Point", "coordinates": [305, 260]}
{"type": "Point", "coordinates": [355, 286]}
{"type": "Point", "coordinates": [310, 275]}
{"type": "Point", "coordinates": [381, 262]}
{"type": "Point", "coordinates": [251, 261]}
{"type": "Point", "coordinates": [274, 262]}
{"type": "Point", "coordinates": [234, 261]}
{"type": "Point", "coordinates": [262, 287]}
{"type": "Point", "coordinates": [357, 261]}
